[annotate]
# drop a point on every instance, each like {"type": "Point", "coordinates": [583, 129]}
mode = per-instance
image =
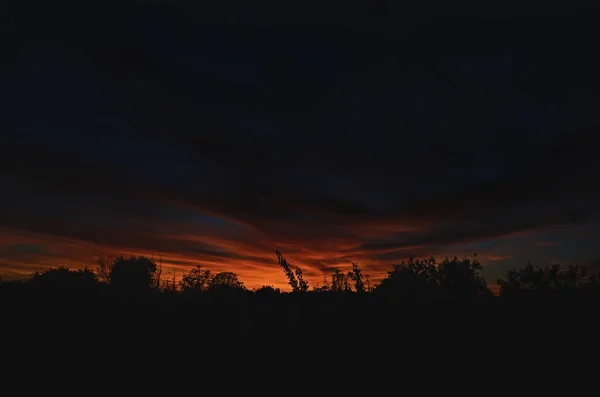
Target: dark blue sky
{"type": "Point", "coordinates": [361, 132]}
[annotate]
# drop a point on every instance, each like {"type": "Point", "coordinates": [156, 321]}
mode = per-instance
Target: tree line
{"type": "Point", "coordinates": [418, 279]}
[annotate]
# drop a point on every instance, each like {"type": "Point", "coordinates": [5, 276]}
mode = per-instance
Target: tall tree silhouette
{"type": "Point", "coordinates": [288, 272]}
{"type": "Point", "coordinates": [339, 282]}
{"type": "Point", "coordinates": [302, 284]}
{"type": "Point", "coordinates": [356, 275]}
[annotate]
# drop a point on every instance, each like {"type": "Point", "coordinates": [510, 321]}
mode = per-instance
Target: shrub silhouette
{"type": "Point", "coordinates": [63, 277]}
{"type": "Point", "coordinates": [136, 273]}
{"type": "Point", "coordinates": [197, 280]}
{"type": "Point", "coordinates": [532, 279]}
{"type": "Point", "coordinates": [267, 291]}
{"type": "Point", "coordinates": [529, 278]}
{"type": "Point", "coordinates": [415, 280]}
{"type": "Point", "coordinates": [226, 281]}
{"type": "Point", "coordinates": [462, 278]}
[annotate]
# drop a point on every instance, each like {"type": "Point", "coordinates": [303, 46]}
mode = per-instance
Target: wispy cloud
{"type": "Point", "coordinates": [498, 258]}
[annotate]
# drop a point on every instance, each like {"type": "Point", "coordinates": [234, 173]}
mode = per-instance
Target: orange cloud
{"type": "Point", "coordinates": [498, 257]}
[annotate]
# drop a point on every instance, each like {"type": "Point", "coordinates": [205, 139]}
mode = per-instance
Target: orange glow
{"type": "Point", "coordinates": [252, 258]}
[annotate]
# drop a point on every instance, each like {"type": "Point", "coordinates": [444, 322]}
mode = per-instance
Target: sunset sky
{"type": "Point", "coordinates": [364, 132]}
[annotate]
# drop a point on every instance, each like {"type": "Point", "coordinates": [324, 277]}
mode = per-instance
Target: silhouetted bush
{"type": "Point", "coordinates": [535, 280]}
{"type": "Point", "coordinates": [462, 278]}
{"type": "Point", "coordinates": [63, 277]}
{"type": "Point", "coordinates": [225, 281]}
{"type": "Point", "coordinates": [136, 273]}
{"type": "Point", "coordinates": [197, 280]}
{"type": "Point", "coordinates": [425, 280]}
{"type": "Point", "coordinates": [267, 291]}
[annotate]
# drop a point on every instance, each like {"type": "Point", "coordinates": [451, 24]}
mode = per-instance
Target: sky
{"type": "Point", "coordinates": [335, 133]}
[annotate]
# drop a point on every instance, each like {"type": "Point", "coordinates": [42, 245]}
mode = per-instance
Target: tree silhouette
{"type": "Point", "coordinates": [536, 279]}
{"type": "Point", "coordinates": [296, 281]}
{"type": "Point", "coordinates": [529, 278]}
{"type": "Point", "coordinates": [196, 280]}
{"type": "Point", "coordinates": [170, 284]}
{"type": "Point", "coordinates": [356, 275]}
{"type": "Point", "coordinates": [104, 265]}
{"type": "Point", "coordinates": [288, 272]}
{"type": "Point", "coordinates": [367, 283]}
{"type": "Point", "coordinates": [339, 282]}
{"type": "Point", "coordinates": [302, 284]}
{"type": "Point", "coordinates": [416, 279]}
{"type": "Point", "coordinates": [225, 281]}
{"type": "Point", "coordinates": [462, 277]}
{"type": "Point", "coordinates": [63, 277]}
{"type": "Point", "coordinates": [134, 273]}
{"type": "Point", "coordinates": [575, 277]}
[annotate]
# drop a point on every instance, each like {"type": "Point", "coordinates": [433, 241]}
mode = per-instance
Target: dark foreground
{"type": "Point", "coordinates": [422, 314]}
{"type": "Point", "coordinates": [232, 339]}
{"type": "Point", "coordinates": [38, 314]}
